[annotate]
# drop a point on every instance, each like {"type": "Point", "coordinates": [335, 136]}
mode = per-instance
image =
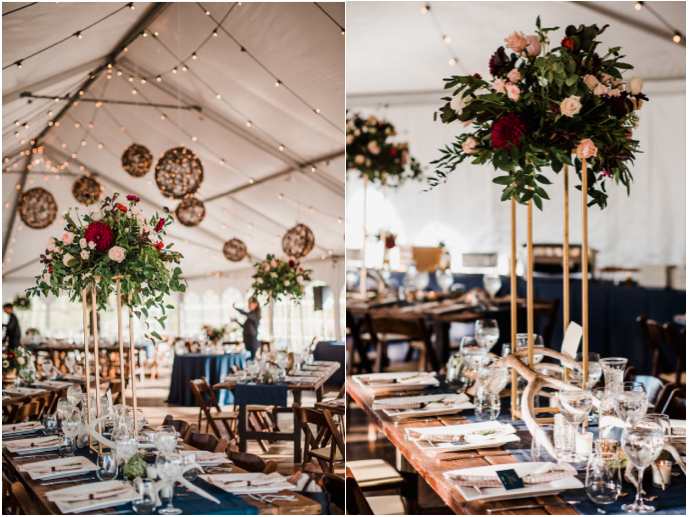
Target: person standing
{"type": "Point", "coordinates": [13, 333]}
{"type": "Point", "coordinates": [250, 326]}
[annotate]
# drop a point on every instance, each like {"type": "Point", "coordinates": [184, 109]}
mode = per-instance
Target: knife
{"type": "Point", "coordinates": [528, 507]}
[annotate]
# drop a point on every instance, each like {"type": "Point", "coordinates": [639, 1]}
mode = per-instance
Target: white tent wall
{"type": "Point", "coordinates": [646, 227]}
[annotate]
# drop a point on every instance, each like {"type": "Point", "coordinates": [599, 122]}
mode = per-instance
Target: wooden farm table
{"type": "Point", "coordinates": [302, 506]}
{"type": "Point", "coordinates": [431, 469]}
{"type": "Point", "coordinates": [297, 389]}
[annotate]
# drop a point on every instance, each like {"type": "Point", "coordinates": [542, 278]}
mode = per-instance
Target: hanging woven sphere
{"type": "Point", "coordinates": [234, 250]}
{"type": "Point", "coordinates": [179, 173]}
{"type": "Point", "coordinates": [137, 160]}
{"type": "Point", "coordinates": [87, 190]}
{"type": "Point", "coordinates": [190, 212]}
{"type": "Point", "coordinates": [37, 208]}
{"type": "Point", "coordinates": [298, 241]}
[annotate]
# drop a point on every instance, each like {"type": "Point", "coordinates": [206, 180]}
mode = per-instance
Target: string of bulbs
{"type": "Point", "coordinates": [78, 34]}
{"type": "Point", "coordinates": [342, 30]}
{"type": "Point", "coordinates": [677, 36]}
{"type": "Point", "coordinates": [447, 41]}
{"type": "Point", "coordinates": [18, 9]}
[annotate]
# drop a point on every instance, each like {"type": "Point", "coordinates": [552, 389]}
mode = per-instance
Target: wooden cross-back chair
{"type": "Point", "coordinates": [394, 330]}
{"type": "Point", "coordinates": [326, 446]}
{"type": "Point", "coordinates": [547, 309]}
{"type": "Point", "coordinates": [34, 408]}
{"type": "Point", "coordinates": [250, 462]}
{"type": "Point", "coordinates": [676, 405]}
{"type": "Point", "coordinates": [207, 442]}
{"type": "Point", "coordinates": [677, 339]}
{"type": "Point", "coordinates": [183, 427]}
{"type": "Point", "coordinates": [654, 335]}
{"type": "Point", "coordinates": [199, 387]}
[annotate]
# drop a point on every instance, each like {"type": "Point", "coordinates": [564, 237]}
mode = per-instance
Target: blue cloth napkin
{"type": "Point", "coordinates": [193, 504]}
{"type": "Point", "coordinates": [261, 394]}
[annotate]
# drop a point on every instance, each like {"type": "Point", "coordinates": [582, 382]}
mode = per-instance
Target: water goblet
{"type": "Point", "coordinates": [630, 402]}
{"type": "Point", "coordinates": [594, 370]}
{"type": "Point", "coordinates": [487, 332]}
{"type": "Point", "coordinates": [663, 421]}
{"type": "Point", "coordinates": [523, 344]}
{"type": "Point", "coordinates": [169, 467]}
{"type": "Point", "coordinates": [492, 284]}
{"type": "Point", "coordinates": [603, 477]}
{"type": "Point", "coordinates": [71, 428]}
{"type": "Point", "coordinates": [166, 439]}
{"type": "Point", "coordinates": [642, 444]}
{"type": "Point", "coordinates": [65, 408]}
{"type": "Point", "coordinates": [126, 447]}
{"type": "Point", "coordinates": [574, 405]}
{"type": "Point", "coordinates": [471, 354]}
{"type": "Point", "coordinates": [74, 393]}
{"type": "Point", "coordinates": [492, 381]}
{"type": "Point", "coordinates": [107, 467]}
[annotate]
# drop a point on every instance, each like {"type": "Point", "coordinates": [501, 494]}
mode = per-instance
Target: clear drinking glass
{"type": "Point", "coordinates": [166, 439]}
{"type": "Point", "coordinates": [486, 332]}
{"type": "Point", "coordinates": [107, 467]}
{"type": "Point", "coordinates": [191, 474]}
{"type": "Point", "coordinates": [574, 406]}
{"type": "Point", "coordinates": [71, 428]}
{"type": "Point", "coordinates": [539, 448]}
{"type": "Point", "coordinates": [603, 477]}
{"type": "Point", "coordinates": [642, 444]}
{"type": "Point", "coordinates": [74, 393]}
{"type": "Point", "coordinates": [50, 424]}
{"type": "Point", "coordinates": [663, 421]}
{"type": "Point", "coordinates": [594, 370]}
{"type": "Point", "coordinates": [523, 344]}
{"type": "Point", "coordinates": [492, 284]}
{"type": "Point", "coordinates": [630, 402]}
{"type": "Point", "coordinates": [492, 381]}
{"type": "Point", "coordinates": [126, 447]}
{"type": "Point", "coordinates": [471, 354]}
{"type": "Point", "coordinates": [65, 408]}
{"type": "Point", "coordinates": [169, 467]}
{"type": "Point", "coordinates": [146, 503]}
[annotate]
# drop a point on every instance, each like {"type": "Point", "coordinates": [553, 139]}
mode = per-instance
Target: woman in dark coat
{"type": "Point", "coordinates": [13, 334]}
{"type": "Point", "coordinates": [250, 325]}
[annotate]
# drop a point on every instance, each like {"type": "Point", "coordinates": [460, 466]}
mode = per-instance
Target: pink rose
{"type": "Point", "coordinates": [259, 281]}
{"type": "Point", "coordinates": [273, 263]}
{"type": "Point", "coordinates": [516, 41]}
{"type": "Point", "coordinates": [615, 92]}
{"type": "Point", "coordinates": [468, 146]}
{"type": "Point", "coordinates": [67, 238]}
{"type": "Point", "coordinates": [83, 243]}
{"type": "Point", "coordinates": [466, 124]}
{"type": "Point", "coordinates": [600, 89]}
{"type": "Point", "coordinates": [616, 83]}
{"type": "Point", "coordinates": [590, 81]}
{"type": "Point", "coordinates": [350, 139]}
{"type": "Point", "coordinates": [92, 245]}
{"type": "Point", "coordinates": [514, 76]}
{"type": "Point", "coordinates": [499, 85]}
{"type": "Point", "coordinates": [570, 106]}
{"type": "Point", "coordinates": [266, 267]}
{"type": "Point", "coordinates": [586, 149]}
{"type": "Point", "coordinates": [84, 254]}
{"type": "Point", "coordinates": [52, 245]}
{"type": "Point", "coordinates": [300, 279]}
{"type": "Point", "coordinates": [46, 278]}
{"type": "Point", "coordinates": [533, 46]}
{"type": "Point", "coordinates": [116, 254]}
{"type": "Point", "coordinates": [286, 283]}
{"type": "Point", "coordinates": [359, 159]}
{"type": "Point", "coordinates": [512, 91]}
{"type": "Point", "coordinates": [373, 147]}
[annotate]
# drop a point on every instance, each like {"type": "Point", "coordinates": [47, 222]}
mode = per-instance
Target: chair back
{"type": "Point", "coordinates": [414, 328]}
{"type": "Point", "coordinates": [355, 502]}
{"type": "Point", "coordinates": [207, 442]}
{"type": "Point", "coordinates": [34, 408]}
{"type": "Point", "coordinates": [676, 406]}
{"type": "Point", "coordinates": [653, 385]}
{"type": "Point", "coordinates": [251, 462]}
{"type": "Point", "coordinates": [199, 387]}
{"type": "Point", "coordinates": [327, 435]}
{"type": "Point", "coordinates": [183, 427]}
{"type": "Point", "coordinates": [354, 329]}
{"type": "Point", "coordinates": [654, 335]}
{"type": "Point", "coordinates": [677, 339]}
{"type": "Point", "coordinates": [335, 486]}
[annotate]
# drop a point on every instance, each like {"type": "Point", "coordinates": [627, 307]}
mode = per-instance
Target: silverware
{"type": "Point", "coordinates": [466, 456]}
{"type": "Point", "coordinates": [528, 507]}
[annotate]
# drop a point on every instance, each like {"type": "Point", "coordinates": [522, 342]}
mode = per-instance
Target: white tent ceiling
{"type": "Point", "coordinates": [294, 42]}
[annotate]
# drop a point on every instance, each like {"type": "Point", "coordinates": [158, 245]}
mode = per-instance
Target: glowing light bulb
{"type": "Point", "coordinates": [638, 6]}
{"type": "Point", "coordinates": [248, 123]}
{"type": "Point", "coordinates": [158, 79]}
{"type": "Point", "coordinates": [425, 9]}
{"type": "Point", "coordinates": [677, 38]}
{"type": "Point", "coordinates": [447, 39]}
{"type": "Point", "coordinates": [452, 61]}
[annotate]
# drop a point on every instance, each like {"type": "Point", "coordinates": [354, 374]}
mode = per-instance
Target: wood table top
{"type": "Point", "coordinates": [294, 386]}
{"type": "Point", "coordinates": [432, 469]}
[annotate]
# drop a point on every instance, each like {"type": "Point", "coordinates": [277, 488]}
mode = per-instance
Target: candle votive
{"type": "Point", "coordinates": [607, 445]}
{"type": "Point", "coordinates": [584, 443]}
{"type": "Point", "coordinates": [662, 473]}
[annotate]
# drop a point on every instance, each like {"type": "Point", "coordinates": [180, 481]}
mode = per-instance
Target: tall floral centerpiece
{"type": "Point", "coordinates": [539, 106]}
{"type": "Point", "coordinates": [280, 279]}
{"type": "Point", "coordinates": [14, 360]}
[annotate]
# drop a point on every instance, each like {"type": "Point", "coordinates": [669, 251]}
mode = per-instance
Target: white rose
{"type": "Point", "coordinates": [300, 279]}
{"type": "Point", "coordinates": [139, 218]}
{"type": "Point", "coordinates": [116, 253]}
{"type": "Point", "coordinates": [83, 243]}
{"type": "Point", "coordinates": [21, 361]}
{"type": "Point", "coordinates": [92, 245]}
{"type": "Point", "coordinates": [135, 210]}
{"type": "Point", "coordinates": [570, 106]}
{"type": "Point", "coordinates": [266, 267]}
{"type": "Point", "coordinates": [85, 254]}
{"type": "Point", "coordinates": [286, 283]}
{"type": "Point", "coordinates": [68, 278]}
{"type": "Point", "coordinates": [46, 278]}
{"type": "Point", "coordinates": [635, 85]}
{"type": "Point", "coordinates": [259, 281]}
{"type": "Point", "coordinates": [459, 102]}
{"type": "Point", "coordinates": [52, 245]}
{"type": "Point", "coordinates": [96, 214]}
{"type": "Point", "coordinates": [66, 259]}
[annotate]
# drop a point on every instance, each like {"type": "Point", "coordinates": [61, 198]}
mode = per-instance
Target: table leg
{"type": "Point", "coordinates": [243, 424]}
{"type": "Point", "coordinates": [442, 340]}
{"type": "Point", "coordinates": [411, 476]}
{"type": "Point", "coordinates": [319, 394]}
{"type": "Point", "coordinates": [297, 430]}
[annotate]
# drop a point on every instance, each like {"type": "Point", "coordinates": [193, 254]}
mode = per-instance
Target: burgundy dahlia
{"type": "Point", "coordinates": [618, 106]}
{"type": "Point", "coordinates": [160, 225]}
{"type": "Point", "coordinates": [500, 65]}
{"type": "Point", "coordinates": [507, 130]}
{"type": "Point", "coordinates": [101, 234]}
{"type": "Point", "coordinates": [133, 198]}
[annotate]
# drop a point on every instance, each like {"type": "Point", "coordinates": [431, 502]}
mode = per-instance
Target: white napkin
{"type": "Point", "coordinates": [549, 472]}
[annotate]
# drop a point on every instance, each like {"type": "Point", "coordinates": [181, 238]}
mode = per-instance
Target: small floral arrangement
{"type": "Point", "coordinates": [390, 239]}
{"type": "Point", "coordinates": [370, 152]}
{"type": "Point", "coordinates": [540, 106]}
{"type": "Point", "coordinates": [15, 359]}
{"type": "Point", "coordinates": [33, 331]}
{"type": "Point", "coordinates": [280, 278]}
{"type": "Point", "coordinates": [214, 335]}
{"type": "Point", "coordinates": [113, 239]}
{"type": "Point", "coordinates": [21, 303]}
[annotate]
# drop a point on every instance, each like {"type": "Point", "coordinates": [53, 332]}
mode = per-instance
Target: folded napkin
{"type": "Point", "coordinates": [78, 463]}
{"type": "Point", "coordinates": [550, 472]}
{"type": "Point", "coordinates": [24, 391]}
{"type": "Point", "coordinates": [28, 443]}
{"type": "Point", "coordinates": [103, 494]}
{"type": "Point", "coordinates": [436, 438]}
{"type": "Point", "coordinates": [25, 426]}
{"type": "Point", "coordinates": [413, 379]}
{"type": "Point", "coordinates": [301, 380]}
{"type": "Point", "coordinates": [211, 456]}
{"type": "Point", "coordinates": [443, 402]}
{"type": "Point", "coordinates": [679, 431]}
{"type": "Point", "coordinates": [265, 479]}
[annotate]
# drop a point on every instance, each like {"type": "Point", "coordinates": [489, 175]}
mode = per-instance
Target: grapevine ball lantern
{"type": "Point", "coordinates": [87, 190]}
{"type": "Point", "coordinates": [298, 241]}
{"type": "Point", "coordinates": [37, 208]}
{"type": "Point", "coordinates": [179, 173]}
{"type": "Point", "coordinates": [234, 250]}
{"type": "Point", "coordinates": [137, 160]}
{"type": "Point", "coordinates": [190, 212]}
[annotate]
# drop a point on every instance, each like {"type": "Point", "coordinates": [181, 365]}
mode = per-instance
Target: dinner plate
{"type": "Point", "coordinates": [83, 506]}
{"type": "Point", "coordinates": [37, 448]}
{"type": "Point", "coordinates": [500, 494]}
{"type": "Point", "coordinates": [90, 467]}
{"type": "Point", "coordinates": [263, 489]}
{"type": "Point", "coordinates": [462, 429]}
{"type": "Point", "coordinates": [404, 381]}
{"type": "Point", "coordinates": [205, 463]}
{"type": "Point", "coordinates": [401, 414]}
{"type": "Point", "coordinates": [12, 430]}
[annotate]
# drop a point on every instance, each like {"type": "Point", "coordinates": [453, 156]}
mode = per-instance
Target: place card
{"type": "Point", "coordinates": [510, 479]}
{"type": "Point", "coordinates": [570, 344]}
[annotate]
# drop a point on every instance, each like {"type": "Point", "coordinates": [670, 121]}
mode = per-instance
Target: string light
{"type": "Point", "coordinates": [425, 9]}
{"type": "Point", "coordinates": [131, 78]}
{"type": "Point", "coordinates": [158, 79]}
{"type": "Point", "coordinates": [447, 40]}
{"type": "Point", "coordinates": [638, 6]}
{"type": "Point", "coordinates": [677, 38]}
{"type": "Point", "coordinates": [248, 123]}
{"type": "Point", "coordinates": [215, 33]}
{"type": "Point", "coordinates": [193, 55]}
{"type": "Point", "coordinates": [78, 35]}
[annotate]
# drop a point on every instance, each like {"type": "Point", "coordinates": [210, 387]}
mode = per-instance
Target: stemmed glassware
{"type": "Point", "coordinates": [65, 408]}
{"type": "Point", "coordinates": [74, 394]}
{"type": "Point", "coordinates": [126, 446]}
{"type": "Point", "coordinates": [630, 402]}
{"type": "Point", "coordinates": [492, 284]}
{"type": "Point", "coordinates": [523, 344]}
{"type": "Point", "coordinates": [169, 467]}
{"type": "Point", "coordinates": [71, 428]}
{"type": "Point", "coordinates": [486, 332]}
{"type": "Point", "coordinates": [492, 380]}
{"type": "Point", "coordinates": [574, 405]}
{"type": "Point", "coordinates": [603, 477]}
{"type": "Point", "coordinates": [594, 369]}
{"type": "Point", "coordinates": [642, 444]}
{"type": "Point", "coordinates": [166, 439]}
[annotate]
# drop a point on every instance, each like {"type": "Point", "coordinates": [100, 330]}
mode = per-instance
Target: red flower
{"type": "Point", "coordinates": [133, 198]}
{"type": "Point", "coordinates": [507, 130]}
{"type": "Point", "coordinates": [121, 207]}
{"type": "Point", "coordinates": [301, 269]}
{"type": "Point", "coordinates": [50, 269]}
{"type": "Point", "coordinates": [160, 225]}
{"type": "Point", "coordinates": [292, 263]}
{"type": "Point", "coordinates": [389, 242]}
{"type": "Point", "coordinates": [478, 76]}
{"type": "Point", "coordinates": [159, 245]}
{"type": "Point", "coordinates": [569, 43]}
{"type": "Point", "coordinates": [393, 152]}
{"type": "Point", "coordinates": [11, 356]}
{"type": "Point", "coordinates": [101, 234]}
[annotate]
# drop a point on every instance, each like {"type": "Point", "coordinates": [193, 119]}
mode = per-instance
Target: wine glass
{"type": "Point", "coordinates": [126, 447]}
{"type": "Point", "coordinates": [166, 439]}
{"type": "Point", "coordinates": [487, 332]}
{"type": "Point", "coordinates": [642, 444]}
{"type": "Point", "coordinates": [472, 354]}
{"type": "Point", "coordinates": [71, 428]}
{"type": "Point", "coordinates": [107, 467]}
{"type": "Point", "coordinates": [595, 370]}
{"type": "Point", "coordinates": [663, 421]}
{"type": "Point", "coordinates": [523, 344]}
{"type": "Point", "coordinates": [69, 363]}
{"type": "Point", "coordinates": [574, 405]}
{"type": "Point", "coordinates": [74, 393]}
{"type": "Point", "coordinates": [492, 380]}
{"type": "Point", "coordinates": [492, 284]}
{"type": "Point", "coordinates": [169, 467]}
{"type": "Point", "coordinates": [603, 477]}
{"type": "Point", "coordinates": [630, 401]}
{"type": "Point", "coordinates": [65, 408]}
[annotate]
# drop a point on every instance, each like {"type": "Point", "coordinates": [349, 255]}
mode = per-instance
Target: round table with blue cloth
{"type": "Point", "coordinates": [214, 368]}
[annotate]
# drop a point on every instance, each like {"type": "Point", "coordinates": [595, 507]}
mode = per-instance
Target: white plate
{"type": "Point", "coordinates": [500, 494]}
{"type": "Point", "coordinates": [400, 385]}
{"type": "Point", "coordinates": [83, 506]}
{"type": "Point", "coordinates": [401, 414]}
{"type": "Point", "coordinates": [7, 432]}
{"type": "Point", "coordinates": [37, 448]}
{"type": "Point", "coordinates": [265, 489]}
{"type": "Point", "coordinates": [439, 448]}
{"type": "Point", "coordinates": [90, 467]}
{"type": "Point", "coordinates": [205, 463]}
